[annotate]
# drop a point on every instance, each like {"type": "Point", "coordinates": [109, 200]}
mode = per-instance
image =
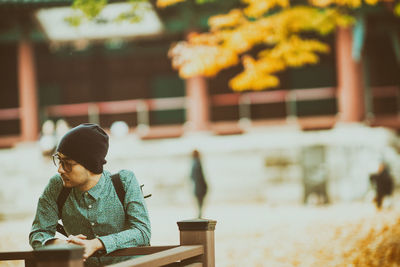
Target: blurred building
{"type": "Point", "coordinates": [129, 78]}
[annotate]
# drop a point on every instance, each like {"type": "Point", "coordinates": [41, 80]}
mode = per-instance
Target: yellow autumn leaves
{"type": "Point", "coordinates": [165, 3]}
{"type": "Point", "coordinates": [345, 3]}
{"type": "Point", "coordinates": [236, 33]}
{"type": "Point", "coordinates": [258, 74]}
{"type": "Point", "coordinates": [206, 60]}
{"type": "Point", "coordinates": [257, 8]}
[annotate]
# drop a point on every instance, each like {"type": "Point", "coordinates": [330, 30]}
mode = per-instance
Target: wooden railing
{"type": "Point", "coordinates": [141, 108]}
{"type": "Point", "coordinates": [196, 249]}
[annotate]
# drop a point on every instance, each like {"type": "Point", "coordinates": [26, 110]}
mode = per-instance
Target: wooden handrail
{"type": "Point", "coordinates": [164, 257]}
{"type": "Point", "coordinates": [168, 103]}
{"type": "Point", "coordinates": [9, 113]}
{"type": "Point", "coordinates": [16, 255]}
{"type": "Point", "coordinates": [133, 251]}
{"type": "Point", "coordinates": [140, 250]}
{"type": "Point", "coordinates": [114, 107]}
{"type": "Point", "coordinates": [49, 256]}
{"type": "Point", "coordinates": [229, 99]}
{"type": "Point", "coordinates": [196, 249]}
{"type": "Point", "coordinates": [155, 255]}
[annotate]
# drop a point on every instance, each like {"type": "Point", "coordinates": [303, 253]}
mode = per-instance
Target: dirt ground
{"type": "Point", "coordinates": [260, 234]}
{"type": "Point", "coordinates": [258, 223]}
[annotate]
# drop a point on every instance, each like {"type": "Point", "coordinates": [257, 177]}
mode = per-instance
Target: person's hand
{"type": "Point", "coordinates": [90, 246]}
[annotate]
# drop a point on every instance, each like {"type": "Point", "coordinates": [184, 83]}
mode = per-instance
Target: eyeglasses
{"type": "Point", "coordinates": [66, 165]}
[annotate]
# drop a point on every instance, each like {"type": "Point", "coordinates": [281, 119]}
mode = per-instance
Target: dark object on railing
{"type": "Point", "coordinates": [196, 248]}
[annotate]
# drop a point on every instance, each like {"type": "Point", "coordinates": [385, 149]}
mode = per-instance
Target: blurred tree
{"type": "Point", "coordinates": [278, 29]}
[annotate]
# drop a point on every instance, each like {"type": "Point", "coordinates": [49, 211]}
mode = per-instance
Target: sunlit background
{"type": "Point", "coordinates": [289, 129]}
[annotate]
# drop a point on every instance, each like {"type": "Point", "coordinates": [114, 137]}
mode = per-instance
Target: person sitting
{"type": "Point", "coordinates": [92, 213]}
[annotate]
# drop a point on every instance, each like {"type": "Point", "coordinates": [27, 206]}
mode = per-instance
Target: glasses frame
{"type": "Point", "coordinates": [67, 166]}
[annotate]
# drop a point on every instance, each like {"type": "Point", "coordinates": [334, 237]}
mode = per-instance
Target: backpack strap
{"type": "Point", "coordinates": [61, 230]}
{"type": "Point", "coordinates": [119, 187]}
{"type": "Point", "coordinates": [62, 197]}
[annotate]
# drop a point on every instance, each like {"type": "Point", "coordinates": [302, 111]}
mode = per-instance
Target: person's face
{"type": "Point", "coordinates": [72, 173]}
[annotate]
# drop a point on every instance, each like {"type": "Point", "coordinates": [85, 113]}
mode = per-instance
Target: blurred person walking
{"type": "Point", "coordinates": [383, 184]}
{"type": "Point", "coordinates": [89, 200]}
{"type": "Point", "coordinates": [199, 181]}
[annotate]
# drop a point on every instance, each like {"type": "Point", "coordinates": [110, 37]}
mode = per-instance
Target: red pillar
{"type": "Point", "coordinates": [197, 108]}
{"type": "Point", "coordinates": [350, 92]}
{"type": "Point", "coordinates": [27, 91]}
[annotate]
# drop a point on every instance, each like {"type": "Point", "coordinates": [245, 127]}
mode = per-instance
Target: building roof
{"type": "Point", "coordinates": [52, 21]}
{"type": "Point", "coordinates": [32, 3]}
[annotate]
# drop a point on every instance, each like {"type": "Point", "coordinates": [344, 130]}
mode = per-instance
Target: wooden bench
{"type": "Point", "coordinates": [196, 248]}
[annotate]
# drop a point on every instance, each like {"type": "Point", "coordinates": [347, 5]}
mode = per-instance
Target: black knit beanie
{"type": "Point", "coordinates": [87, 144]}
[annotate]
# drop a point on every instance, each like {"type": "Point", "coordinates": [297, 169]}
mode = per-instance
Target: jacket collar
{"type": "Point", "coordinates": [96, 190]}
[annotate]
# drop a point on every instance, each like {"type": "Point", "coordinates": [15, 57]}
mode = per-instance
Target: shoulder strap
{"type": "Point", "coordinates": [118, 186]}
{"type": "Point", "coordinates": [62, 197]}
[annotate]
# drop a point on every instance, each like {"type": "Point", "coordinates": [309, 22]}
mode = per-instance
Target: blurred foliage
{"type": "Point", "coordinates": [91, 10]}
{"type": "Point", "coordinates": [278, 30]}
{"type": "Point", "coordinates": [397, 9]}
{"type": "Point", "coordinates": [165, 3]}
{"type": "Point", "coordinates": [276, 25]}
{"type": "Point", "coordinates": [135, 13]}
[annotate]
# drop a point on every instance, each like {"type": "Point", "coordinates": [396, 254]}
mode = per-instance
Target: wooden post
{"type": "Point", "coordinates": [197, 108]}
{"type": "Point", "coordinates": [199, 232]}
{"type": "Point", "coordinates": [350, 83]}
{"type": "Point", "coordinates": [59, 256]}
{"type": "Point", "coordinates": [27, 91]}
